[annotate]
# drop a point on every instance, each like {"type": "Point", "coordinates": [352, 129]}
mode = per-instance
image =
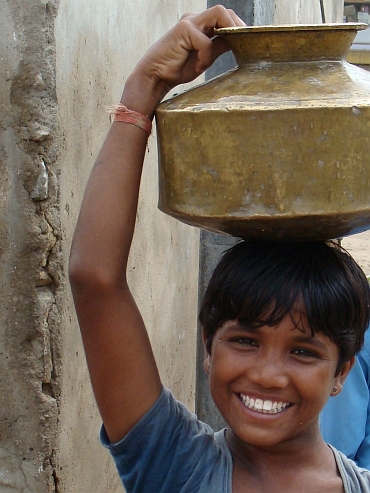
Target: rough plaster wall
{"type": "Point", "coordinates": [31, 276]}
{"type": "Point", "coordinates": [97, 46]}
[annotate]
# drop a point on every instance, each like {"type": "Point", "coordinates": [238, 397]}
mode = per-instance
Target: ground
{"type": "Point", "coordinates": [359, 247]}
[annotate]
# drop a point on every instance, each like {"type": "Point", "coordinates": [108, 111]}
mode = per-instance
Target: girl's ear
{"type": "Point", "coordinates": [341, 377]}
{"type": "Point", "coordinates": [207, 363]}
{"type": "Point", "coordinates": [207, 356]}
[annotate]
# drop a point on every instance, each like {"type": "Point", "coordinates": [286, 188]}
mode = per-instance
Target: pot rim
{"type": "Point", "coordinates": [350, 26]}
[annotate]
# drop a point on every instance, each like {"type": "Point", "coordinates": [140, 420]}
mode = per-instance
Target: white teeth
{"type": "Point", "coordinates": [258, 404]}
{"type": "Point", "coordinates": [261, 406]}
{"type": "Point", "coordinates": [267, 405]}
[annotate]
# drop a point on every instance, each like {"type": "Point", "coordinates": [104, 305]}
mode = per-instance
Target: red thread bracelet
{"type": "Point", "coordinates": [122, 114]}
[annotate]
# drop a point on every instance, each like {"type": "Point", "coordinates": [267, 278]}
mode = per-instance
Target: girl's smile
{"type": "Point", "coordinates": [261, 406]}
{"type": "Point", "coordinates": [270, 383]}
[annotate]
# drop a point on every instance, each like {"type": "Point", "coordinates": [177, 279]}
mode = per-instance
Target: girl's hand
{"type": "Point", "coordinates": [186, 50]}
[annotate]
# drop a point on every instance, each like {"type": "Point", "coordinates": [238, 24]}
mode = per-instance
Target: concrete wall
{"type": "Point", "coordinates": [61, 64]}
{"type": "Point", "coordinates": [307, 12]}
{"type": "Point", "coordinates": [296, 12]}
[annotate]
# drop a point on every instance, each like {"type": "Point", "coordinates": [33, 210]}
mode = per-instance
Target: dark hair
{"type": "Point", "coordinates": [260, 282]}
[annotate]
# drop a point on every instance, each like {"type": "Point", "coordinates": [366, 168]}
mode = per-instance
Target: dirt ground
{"type": "Point", "coordinates": [359, 247]}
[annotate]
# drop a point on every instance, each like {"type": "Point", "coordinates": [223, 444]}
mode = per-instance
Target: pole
{"type": "Point", "coordinates": [322, 11]}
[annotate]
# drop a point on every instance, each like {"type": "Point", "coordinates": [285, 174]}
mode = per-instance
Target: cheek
{"type": "Point", "coordinates": [316, 387]}
{"type": "Point", "coordinates": [220, 367]}
{"type": "Point", "coordinates": [226, 368]}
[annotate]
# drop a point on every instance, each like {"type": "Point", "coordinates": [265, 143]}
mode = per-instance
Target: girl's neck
{"type": "Point", "coordinates": [304, 464]}
{"type": "Point", "coordinates": [305, 451]}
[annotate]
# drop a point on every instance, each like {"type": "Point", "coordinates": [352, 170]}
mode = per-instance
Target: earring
{"type": "Point", "coordinates": [334, 389]}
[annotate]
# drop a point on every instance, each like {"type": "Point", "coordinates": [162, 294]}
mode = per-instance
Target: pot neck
{"type": "Point", "coordinates": [293, 45]}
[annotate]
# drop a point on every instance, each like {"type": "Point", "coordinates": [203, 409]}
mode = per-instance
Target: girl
{"type": "Point", "coordinates": [282, 323]}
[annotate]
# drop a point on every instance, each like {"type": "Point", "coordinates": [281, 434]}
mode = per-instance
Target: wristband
{"type": "Point", "coordinates": [122, 114]}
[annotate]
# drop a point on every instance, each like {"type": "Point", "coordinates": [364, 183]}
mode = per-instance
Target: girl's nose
{"type": "Point", "coordinates": [269, 371]}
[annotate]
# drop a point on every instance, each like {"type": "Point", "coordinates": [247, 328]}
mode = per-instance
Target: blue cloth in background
{"type": "Point", "coordinates": [345, 420]}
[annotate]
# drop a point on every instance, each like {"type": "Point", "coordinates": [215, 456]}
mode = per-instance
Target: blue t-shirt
{"type": "Point", "coordinates": [171, 451]}
{"type": "Point", "coordinates": [345, 420]}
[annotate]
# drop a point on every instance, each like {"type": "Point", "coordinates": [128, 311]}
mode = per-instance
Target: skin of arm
{"type": "Point", "coordinates": [122, 367]}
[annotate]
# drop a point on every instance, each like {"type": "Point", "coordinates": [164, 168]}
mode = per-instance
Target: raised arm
{"type": "Point", "coordinates": [122, 368]}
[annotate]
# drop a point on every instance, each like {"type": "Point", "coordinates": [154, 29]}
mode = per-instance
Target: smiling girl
{"type": "Point", "coordinates": [281, 324]}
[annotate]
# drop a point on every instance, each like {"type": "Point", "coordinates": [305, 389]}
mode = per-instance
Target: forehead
{"type": "Point", "coordinates": [293, 326]}
{"type": "Point", "coordinates": [275, 315]}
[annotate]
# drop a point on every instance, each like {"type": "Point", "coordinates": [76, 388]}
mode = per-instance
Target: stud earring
{"type": "Point", "coordinates": [334, 389]}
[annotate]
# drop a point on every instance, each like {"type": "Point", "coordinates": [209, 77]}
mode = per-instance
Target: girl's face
{"type": "Point", "coordinates": [271, 383]}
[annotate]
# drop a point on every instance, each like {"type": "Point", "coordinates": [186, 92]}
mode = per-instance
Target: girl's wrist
{"type": "Point", "coordinates": [143, 93]}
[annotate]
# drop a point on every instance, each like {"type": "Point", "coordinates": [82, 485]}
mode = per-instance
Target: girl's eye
{"type": "Point", "coordinates": [244, 341]}
{"type": "Point", "coordinates": [306, 353]}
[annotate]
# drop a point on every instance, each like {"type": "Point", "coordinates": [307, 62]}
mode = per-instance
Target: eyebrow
{"type": "Point", "coordinates": [308, 339]}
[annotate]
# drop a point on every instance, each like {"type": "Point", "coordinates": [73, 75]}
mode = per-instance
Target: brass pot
{"type": "Point", "coordinates": [277, 148]}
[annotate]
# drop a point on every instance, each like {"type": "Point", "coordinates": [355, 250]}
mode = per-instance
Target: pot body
{"type": "Point", "coordinates": [276, 149]}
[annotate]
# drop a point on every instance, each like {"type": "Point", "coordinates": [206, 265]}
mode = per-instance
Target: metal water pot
{"type": "Point", "coordinates": [278, 148]}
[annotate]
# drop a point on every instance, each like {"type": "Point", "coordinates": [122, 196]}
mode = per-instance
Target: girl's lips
{"type": "Point", "coordinates": [264, 406]}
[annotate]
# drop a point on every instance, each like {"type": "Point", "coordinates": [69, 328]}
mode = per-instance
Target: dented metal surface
{"type": "Point", "coordinates": [275, 149]}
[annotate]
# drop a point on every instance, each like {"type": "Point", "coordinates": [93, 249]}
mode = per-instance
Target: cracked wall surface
{"type": "Point", "coordinates": [62, 63]}
{"type": "Point", "coordinates": [31, 274]}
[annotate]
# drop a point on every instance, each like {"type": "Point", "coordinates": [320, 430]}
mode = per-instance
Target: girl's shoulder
{"type": "Point", "coordinates": [355, 479]}
{"type": "Point", "coordinates": [170, 450]}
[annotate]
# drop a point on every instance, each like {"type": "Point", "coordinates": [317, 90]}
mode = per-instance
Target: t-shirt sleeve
{"type": "Point", "coordinates": [169, 450]}
{"type": "Point", "coordinates": [355, 479]}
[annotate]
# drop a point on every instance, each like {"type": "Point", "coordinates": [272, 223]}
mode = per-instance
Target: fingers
{"type": "Point", "coordinates": [186, 50]}
{"type": "Point", "coordinates": [198, 28]}
{"type": "Point", "coordinates": [215, 17]}
{"type": "Point", "coordinates": [238, 21]}
{"type": "Point", "coordinates": [205, 58]}
{"type": "Point", "coordinates": [197, 44]}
